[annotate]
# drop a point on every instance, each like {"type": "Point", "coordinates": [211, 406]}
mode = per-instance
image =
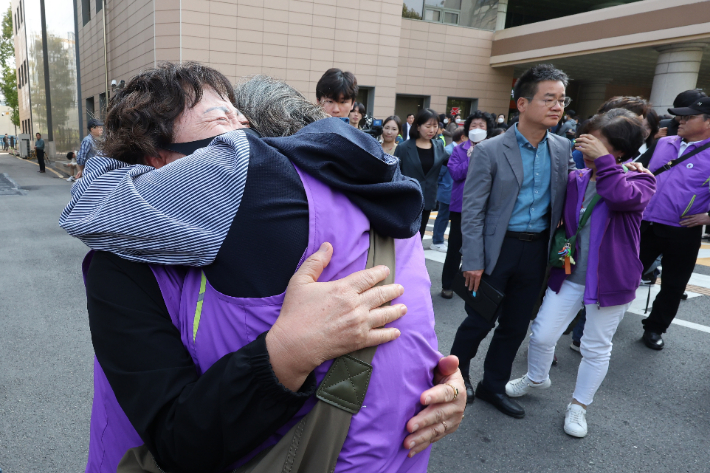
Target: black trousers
{"type": "Point", "coordinates": [40, 159]}
{"type": "Point", "coordinates": [519, 273]}
{"type": "Point", "coordinates": [679, 247]}
{"type": "Point", "coordinates": [425, 221]}
{"type": "Point", "coordinates": [452, 263]}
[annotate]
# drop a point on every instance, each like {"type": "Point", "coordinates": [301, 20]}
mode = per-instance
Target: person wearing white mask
{"type": "Point", "coordinates": [500, 122]}
{"type": "Point", "coordinates": [476, 128]}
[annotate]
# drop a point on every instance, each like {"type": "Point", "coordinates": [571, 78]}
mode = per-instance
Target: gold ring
{"type": "Point", "coordinates": [444, 425]}
{"type": "Point", "coordinates": [456, 391]}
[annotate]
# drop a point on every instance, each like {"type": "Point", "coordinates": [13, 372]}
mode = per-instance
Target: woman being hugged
{"type": "Point", "coordinates": [604, 264]}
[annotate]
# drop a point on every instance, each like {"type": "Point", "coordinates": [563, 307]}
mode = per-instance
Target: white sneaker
{"type": "Point", "coordinates": [70, 179]}
{"type": "Point", "coordinates": [443, 247]}
{"type": "Point", "coordinates": [576, 421]}
{"type": "Point", "coordinates": [521, 386]}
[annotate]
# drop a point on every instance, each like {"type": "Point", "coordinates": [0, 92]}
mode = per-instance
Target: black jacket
{"type": "Point", "coordinates": [412, 167]}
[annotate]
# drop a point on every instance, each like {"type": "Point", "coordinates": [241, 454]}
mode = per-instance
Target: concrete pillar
{"type": "Point", "coordinates": [502, 12]}
{"type": "Point", "coordinates": [592, 93]}
{"type": "Point", "coordinates": [676, 70]}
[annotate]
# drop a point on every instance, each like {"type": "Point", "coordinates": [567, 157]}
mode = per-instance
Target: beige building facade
{"type": "Point", "coordinates": [397, 61]}
{"type": "Point", "coordinates": [406, 54]}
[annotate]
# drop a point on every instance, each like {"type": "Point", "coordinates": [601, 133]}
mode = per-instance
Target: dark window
{"type": "Point", "coordinates": [22, 15]}
{"type": "Point", "coordinates": [16, 22]}
{"type": "Point", "coordinates": [89, 109]}
{"type": "Point", "coordinates": [86, 11]}
{"type": "Point", "coordinates": [102, 105]}
{"type": "Point", "coordinates": [99, 5]}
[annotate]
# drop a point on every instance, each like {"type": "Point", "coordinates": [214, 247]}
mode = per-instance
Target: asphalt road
{"type": "Point", "coordinates": [651, 413]}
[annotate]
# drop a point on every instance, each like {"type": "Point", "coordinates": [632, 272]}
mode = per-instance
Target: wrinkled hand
{"type": "Point", "coordinates": [78, 174]}
{"type": "Point", "coordinates": [590, 146]}
{"type": "Point", "coordinates": [638, 167]}
{"type": "Point", "coordinates": [661, 133]}
{"type": "Point", "coordinates": [322, 321]}
{"type": "Point", "coordinates": [473, 279]}
{"type": "Point", "coordinates": [695, 220]}
{"type": "Point", "coordinates": [428, 427]}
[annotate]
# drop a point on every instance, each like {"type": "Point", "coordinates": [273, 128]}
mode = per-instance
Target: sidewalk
{"type": "Point", "coordinates": [54, 165]}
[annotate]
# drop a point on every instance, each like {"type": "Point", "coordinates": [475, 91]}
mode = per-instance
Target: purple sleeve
{"type": "Point", "coordinates": [458, 164]}
{"type": "Point", "coordinates": [623, 191]}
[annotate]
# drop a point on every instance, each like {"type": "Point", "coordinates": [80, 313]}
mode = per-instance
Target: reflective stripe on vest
{"type": "Point", "coordinates": [198, 309]}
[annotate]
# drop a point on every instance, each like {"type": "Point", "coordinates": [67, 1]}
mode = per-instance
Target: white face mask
{"type": "Point", "coordinates": [500, 120]}
{"type": "Point", "coordinates": [446, 120]}
{"type": "Point", "coordinates": [476, 135]}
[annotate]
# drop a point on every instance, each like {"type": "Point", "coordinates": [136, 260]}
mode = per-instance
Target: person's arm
{"type": "Point", "coordinates": [623, 192]}
{"type": "Point", "coordinates": [475, 202]}
{"type": "Point", "coordinates": [189, 423]}
{"type": "Point", "coordinates": [185, 225]}
{"type": "Point", "coordinates": [458, 164]}
{"type": "Point", "coordinates": [204, 423]}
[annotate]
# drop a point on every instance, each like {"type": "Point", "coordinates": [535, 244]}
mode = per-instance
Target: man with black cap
{"type": "Point", "coordinates": [88, 145]}
{"type": "Point", "coordinates": [670, 125]}
{"type": "Point", "coordinates": [673, 220]}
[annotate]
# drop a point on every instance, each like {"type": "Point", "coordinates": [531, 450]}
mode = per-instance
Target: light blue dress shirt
{"type": "Point", "coordinates": [531, 211]}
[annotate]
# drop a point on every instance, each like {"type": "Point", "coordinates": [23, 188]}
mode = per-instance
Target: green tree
{"type": "Point", "coordinates": [410, 13]}
{"type": "Point", "coordinates": [8, 77]}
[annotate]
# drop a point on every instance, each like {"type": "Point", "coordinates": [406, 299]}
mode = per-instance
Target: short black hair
{"type": "Point", "coordinates": [360, 108]}
{"type": "Point", "coordinates": [422, 116]}
{"type": "Point", "coordinates": [38, 133]}
{"type": "Point", "coordinates": [495, 132]}
{"type": "Point", "coordinates": [70, 154]}
{"type": "Point", "coordinates": [526, 86]}
{"type": "Point", "coordinates": [336, 84]}
{"type": "Point", "coordinates": [410, 115]}
{"type": "Point", "coordinates": [487, 117]}
{"type": "Point", "coordinates": [622, 128]}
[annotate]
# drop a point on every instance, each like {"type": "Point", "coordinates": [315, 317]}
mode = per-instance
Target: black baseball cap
{"type": "Point", "coordinates": [700, 105]}
{"type": "Point", "coordinates": [94, 123]}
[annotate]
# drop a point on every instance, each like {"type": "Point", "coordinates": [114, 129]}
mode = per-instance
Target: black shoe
{"type": "Point", "coordinates": [447, 293]}
{"type": "Point", "coordinates": [469, 390]}
{"type": "Point", "coordinates": [501, 402]}
{"type": "Point", "coordinates": [653, 340]}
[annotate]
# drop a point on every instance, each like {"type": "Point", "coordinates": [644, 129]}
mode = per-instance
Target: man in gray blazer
{"type": "Point", "coordinates": [512, 203]}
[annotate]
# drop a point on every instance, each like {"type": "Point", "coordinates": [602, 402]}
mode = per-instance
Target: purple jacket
{"type": "Point", "coordinates": [682, 190]}
{"type": "Point", "coordinates": [614, 269]}
{"type": "Point", "coordinates": [458, 168]}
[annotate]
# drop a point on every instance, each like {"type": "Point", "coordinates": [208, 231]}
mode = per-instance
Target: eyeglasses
{"type": "Point", "coordinates": [685, 118]}
{"type": "Point", "coordinates": [549, 103]}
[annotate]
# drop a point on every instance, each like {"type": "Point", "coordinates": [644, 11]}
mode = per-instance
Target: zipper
{"type": "Point", "coordinates": [689, 206]}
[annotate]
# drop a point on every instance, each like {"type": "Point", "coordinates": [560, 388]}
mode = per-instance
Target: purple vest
{"type": "Point", "coordinates": [683, 190]}
{"type": "Point", "coordinates": [402, 369]}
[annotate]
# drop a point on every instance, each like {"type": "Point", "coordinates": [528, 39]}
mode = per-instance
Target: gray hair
{"type": "Point", "coordinates": [273, 107]}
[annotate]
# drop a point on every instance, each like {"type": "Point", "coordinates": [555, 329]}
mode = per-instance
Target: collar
{"type": "Point", "coordinates": [522, 141]}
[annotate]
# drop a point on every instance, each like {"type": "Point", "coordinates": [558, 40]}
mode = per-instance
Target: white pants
{"type": "Point", "coordinates": [556, 313]}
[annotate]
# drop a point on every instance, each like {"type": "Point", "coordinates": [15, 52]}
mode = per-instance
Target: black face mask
{"type": "Point", "coordinates": [188, 147]}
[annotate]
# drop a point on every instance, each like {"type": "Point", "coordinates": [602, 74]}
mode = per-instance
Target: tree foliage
{"type": "Point", "coordinates": [8, 78]}
{"type": "Point", "coordinates": [410, 13]}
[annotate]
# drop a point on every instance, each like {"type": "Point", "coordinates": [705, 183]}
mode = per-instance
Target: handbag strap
{"type": "Point", "coordinates": [314, 444]}
{"type": "Point", "coordinates": [588, 212]}
{"type": "Point", "coordinates": [675, 162]}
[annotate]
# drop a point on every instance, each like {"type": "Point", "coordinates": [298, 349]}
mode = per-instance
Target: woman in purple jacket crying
{"type": "Point", "coordinates": [605, 266]}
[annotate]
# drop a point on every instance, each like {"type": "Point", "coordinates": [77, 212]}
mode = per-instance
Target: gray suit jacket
{"type": "Point", "coordinates": [495, 175]}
